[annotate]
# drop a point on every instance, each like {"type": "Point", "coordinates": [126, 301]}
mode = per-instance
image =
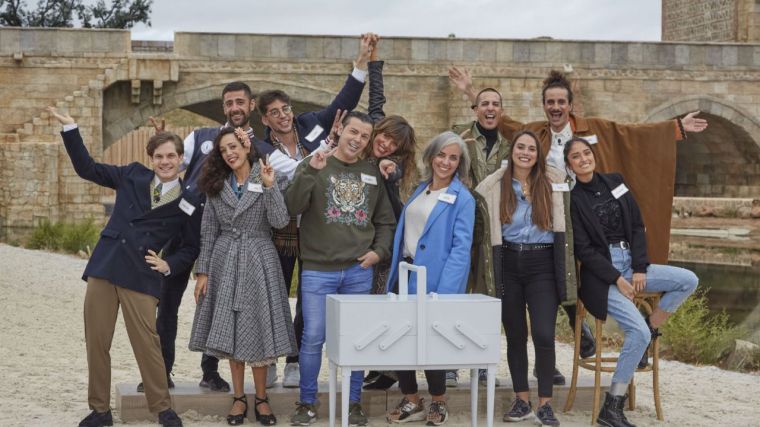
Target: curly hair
{"type": "Point", "coordinates": [538, 182]}
{"type": "Point", "coordinates": [557, 79]}
{"type": "Point", "coordinates": [216, 170]}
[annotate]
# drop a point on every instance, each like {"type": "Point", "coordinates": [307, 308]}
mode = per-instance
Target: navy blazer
{"type": "Point", "coordinates": [592, 247]}
{"type": "Point", "coordinates": [444, 245]}
{"type": "Point", "coordinates": [306, 123]}
{"type": "Point", "coordinates": [134, 227]}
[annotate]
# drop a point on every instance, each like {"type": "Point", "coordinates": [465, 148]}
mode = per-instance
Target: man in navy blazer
{"type": "Point", "coordinates": [125, 269]}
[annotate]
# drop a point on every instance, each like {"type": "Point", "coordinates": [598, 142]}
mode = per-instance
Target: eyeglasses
{"type": "Point", "coordinates": [286, 109]}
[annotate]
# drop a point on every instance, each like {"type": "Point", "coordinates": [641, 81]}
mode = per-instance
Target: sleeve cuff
{"type": "Point", "coordinates": [360, 75]}
{"type": "Point", "coordinates": [72, 126]}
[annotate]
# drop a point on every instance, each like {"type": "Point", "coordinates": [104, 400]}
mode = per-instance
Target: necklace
{"type": "Point", "coordinates": [525, 188]}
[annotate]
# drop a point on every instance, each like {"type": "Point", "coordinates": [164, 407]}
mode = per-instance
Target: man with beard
{"type": "Point", "coordinates": [237, 104]}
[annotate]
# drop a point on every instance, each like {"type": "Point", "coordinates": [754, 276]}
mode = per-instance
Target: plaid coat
{"type": "Point", "coordinates": [245, 313]}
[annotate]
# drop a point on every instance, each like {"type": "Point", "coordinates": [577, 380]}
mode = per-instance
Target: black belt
{"type": "Point", "coordinates": [621, 244]}
{"type": "Point", "coordinates": [519, 247]}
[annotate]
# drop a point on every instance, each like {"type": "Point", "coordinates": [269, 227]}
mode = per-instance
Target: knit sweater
{"type": "Point", "coordinates": [345, 212]}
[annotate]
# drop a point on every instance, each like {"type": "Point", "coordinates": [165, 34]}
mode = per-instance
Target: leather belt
{"type": "Point", "coordinates": [519, 247]}
{"type": "Point", "coordinates": [621, 244]}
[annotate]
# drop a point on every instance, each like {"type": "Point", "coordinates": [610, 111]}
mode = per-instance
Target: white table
{"type": "Point", "coordinates": [413, 332]}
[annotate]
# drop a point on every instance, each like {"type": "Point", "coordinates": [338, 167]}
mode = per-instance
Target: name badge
{"type": "Point", "coordinates": [314, 133]}
{"type": "Point", "coordinates": [448, 198]}
{"type": "Point", "coordinates": [560, 186]}
{"type": "Point", "coordinates": [504, 164]}
{"type": "Point", "coordinates": [207, 146]}
{"type": "Point", "coordinates": [619, 191]}
{"type": "Point", "coordinates": [255, 187]}
{"type": "Point", "coordinates": [591, 139]}
{"type": "Point", "coordinates": [369, 179]}
{"type": "Point", "coordinates": [186, 206]}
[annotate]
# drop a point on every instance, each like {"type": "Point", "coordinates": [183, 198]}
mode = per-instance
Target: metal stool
{"type": "Point", "coordinates": [647, 301]}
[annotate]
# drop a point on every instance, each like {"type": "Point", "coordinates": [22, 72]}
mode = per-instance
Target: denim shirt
{"type": "Point", "coordinates": [522, 229]}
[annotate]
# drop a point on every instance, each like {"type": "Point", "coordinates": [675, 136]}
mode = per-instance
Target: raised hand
{"type": "Point", "coordinates": [692, 124]}
{"type": "Point", "coordinates": [373, 45]}
{"type": "Point", "coordinates": [242, 136]}
{"type": "Point", "coordinates": [63, 118]}
{"type": "Point", "coordinates": [369, 259]}
{"type": "Point", "coordinates": [159, 127]}
{"type": "Point", "coordinates": [365, 49]}
{"type": "Point", "coordinates": [336, 127]}
{"type": "Point", "coordinates": [387, 167]}
{"type": "Point", "coordinates": [267, 172]}
{"type": "Point", "coordinates": [319, 158]}
{"type": "Point", "coordinates": [462, 80]}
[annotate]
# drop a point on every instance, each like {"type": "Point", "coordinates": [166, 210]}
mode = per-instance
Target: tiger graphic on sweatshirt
{"type": "Point", "coordinates": [347, 200]}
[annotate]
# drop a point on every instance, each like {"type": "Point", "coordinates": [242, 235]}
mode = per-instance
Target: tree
{"type": "Point", "coordinates": [62, 13]}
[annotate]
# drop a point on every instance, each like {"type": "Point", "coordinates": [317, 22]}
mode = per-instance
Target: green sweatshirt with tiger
{"type": "Point", "coordinates": [345, 212]}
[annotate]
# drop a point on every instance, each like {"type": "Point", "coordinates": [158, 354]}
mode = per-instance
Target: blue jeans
{"type": "Point", "coordinates": [315, 286]}
{"type": "Point", "coordinates": [676, 283]}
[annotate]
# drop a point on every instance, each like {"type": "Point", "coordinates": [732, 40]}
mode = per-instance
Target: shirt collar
{"type": "Point", "coordinates": [166, 186]}
{"type": "Point", "coordinates": [564, 135]}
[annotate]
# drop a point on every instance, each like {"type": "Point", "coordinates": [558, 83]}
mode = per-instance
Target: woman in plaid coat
{"type": "Point", "coordinates": [243, 313]}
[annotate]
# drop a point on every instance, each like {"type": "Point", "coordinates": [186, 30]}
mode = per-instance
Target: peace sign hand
{"type": "Point", "coordinates": [267, 172]}
{"type": "Point", "coordinates": [158, 127]}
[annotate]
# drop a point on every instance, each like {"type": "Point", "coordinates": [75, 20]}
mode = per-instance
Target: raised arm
{"type": "Point", "coordinates": [376, 90]}
{"type": "Point", "coordinates": [462, 80]}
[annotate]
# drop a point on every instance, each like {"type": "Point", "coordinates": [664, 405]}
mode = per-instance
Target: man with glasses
{"type": "Point", "coordinates": [294, 138]}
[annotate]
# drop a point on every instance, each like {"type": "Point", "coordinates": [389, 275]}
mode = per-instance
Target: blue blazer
{"type": "Point", "coordinates": [445, 243]}
{"type": "Point", "coordinates": [134, 227]}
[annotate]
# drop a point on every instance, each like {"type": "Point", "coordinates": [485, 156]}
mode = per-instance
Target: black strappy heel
{"type": "Point", "coordinates": [236, 420]}
{"type": "Point", "coordinates": [265, 420]}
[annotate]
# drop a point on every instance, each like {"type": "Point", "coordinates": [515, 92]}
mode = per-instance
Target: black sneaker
{"type": "Point", "coordinates": [521, 410]}
{"type": "Point", "coordinates": [452, 378]}
{"type": "Point", "coordinates": [558, 378]}
{"type": "Point", "coordinates": [214, 382]}
{"type": "Point", "coordinates": [545, 416]}
{"type": "Point", "coordinates": [483, 378]}
{"type": "Point", "coordinates": [588, 344]}
{"type": "Point", "coordinates": [169, 383]}
{"type": "Point", "coordinates": [97, 419]}
{"type": "Point", "coordinates": [169, 418]}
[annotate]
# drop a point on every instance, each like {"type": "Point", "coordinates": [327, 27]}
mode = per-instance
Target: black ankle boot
{"type": "Point", "coordinates": [588, 344]}
{"type": "Point", "coordinates": [654, 333]}
{"type": "Point", "coordinates": [611, 414]}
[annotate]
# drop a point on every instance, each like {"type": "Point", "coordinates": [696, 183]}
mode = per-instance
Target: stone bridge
{"type": "Point", "coordinates": [112, 85]}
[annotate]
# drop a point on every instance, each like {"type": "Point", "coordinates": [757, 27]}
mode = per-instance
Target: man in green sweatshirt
{"type": "Point", "coordinates": [347, 226]}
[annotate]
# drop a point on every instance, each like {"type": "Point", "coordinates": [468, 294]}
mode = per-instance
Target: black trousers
{"type": "Point", "coordinates": [528, 278]}
{"type": "Point", "coordinates": [288, 263]}
{"type": "Point", "coordinates": [407, 382]}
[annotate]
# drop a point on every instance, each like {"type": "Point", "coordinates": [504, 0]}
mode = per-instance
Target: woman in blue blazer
{"type": "Point", "coordinates": [435, 231]}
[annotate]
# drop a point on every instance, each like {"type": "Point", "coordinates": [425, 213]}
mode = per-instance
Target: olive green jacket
{"type": "Point", "coordinates": [480, 166]}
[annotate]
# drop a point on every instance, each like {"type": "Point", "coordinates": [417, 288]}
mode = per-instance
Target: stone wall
{"type": "Point", "coordinates": [113, 90]}
{"type": "Point", "coordinates": [711, 20]}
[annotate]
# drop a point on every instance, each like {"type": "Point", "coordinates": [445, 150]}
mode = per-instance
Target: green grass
{"type": "Point", "coordinates": [67, 237]}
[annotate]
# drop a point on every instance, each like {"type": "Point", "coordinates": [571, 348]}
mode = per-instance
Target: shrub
{"type": "Point", "coordinates": [71, 238]}
{"type": "Point", "coordinates": [694, 335]}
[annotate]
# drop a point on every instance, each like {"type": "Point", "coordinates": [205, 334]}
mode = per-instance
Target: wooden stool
{"type": "Point", "coordinates": [647, 301]}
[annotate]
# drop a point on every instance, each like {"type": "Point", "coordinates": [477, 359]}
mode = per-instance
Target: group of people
{"type": "Point", "coordinates": [496, 207]}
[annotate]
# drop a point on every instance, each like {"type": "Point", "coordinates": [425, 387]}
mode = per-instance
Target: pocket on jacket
{"type": "Point", "coordinates": [107, 232]}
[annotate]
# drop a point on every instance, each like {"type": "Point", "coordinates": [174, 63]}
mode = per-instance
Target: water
{"type": "Point", "coordinates": [735, 289]}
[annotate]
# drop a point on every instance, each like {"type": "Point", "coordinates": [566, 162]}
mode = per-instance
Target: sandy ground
{"type": "Point", "coordinates": [42, 355]}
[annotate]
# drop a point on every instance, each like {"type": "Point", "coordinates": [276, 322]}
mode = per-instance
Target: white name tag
{"type": "Point", "coordinates": [591, 139]}
{"type": "Point", "coordinates": [369, 179]}
{"type": "Point", "coordinates": [314, 133]}
{"type": "Point", "coordinates": [560, 186]}
{"type": "Point", "coordinates": [448, 198]}
{"type": "Point", "coordinates": [619, 191]}
{"type": "Point", "coordinates": [186, 207]}
{"type": "Point", "coordinates": [207, 146]}
{"type": "Point", "coordinates": [504, 164]}
{"type": "Point", "coordinates": [255, 187]}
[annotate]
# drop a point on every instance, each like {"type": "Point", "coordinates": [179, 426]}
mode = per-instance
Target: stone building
{"type": "Point", "coordinates": [111, 85]}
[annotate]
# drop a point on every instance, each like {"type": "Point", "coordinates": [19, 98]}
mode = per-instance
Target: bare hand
{"type": "Point", "coordinates": [365, 49]}
{"type": "Point", "coordinates": [319, 158]}
{"type": "Point", "coordinates": [337, 126]}
{"type": "Point", "coordinates": [625, 288]}
{"type": "Point", "coordinates": [387, 167]}
{"type": "Point", "coordinates": [369, 259]}
{"type": "Point", "coordinates": [693, 124]}
{"type": "Point", "coordinates": [156, 263]}
{"type": "Point", "coordinates": [462, 80]}
{"type": "Point", "coordinates": [201, 284]}
{"type": "Point", "coordinates": [158, 127]}
{"type": "Point", "coordinates": [242, 136]}
{"type": "Point", "coordinates": [267, 173]}
{"type": "Point", "coordinates": [373, 45]}
{"type": "Point", "coordinates": [63, 118]}
{"type": "Point", "coordinates": [639, 281]}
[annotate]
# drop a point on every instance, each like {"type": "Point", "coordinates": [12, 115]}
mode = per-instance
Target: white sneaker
{"type": "Point", "coordinates": [291, 375]}
{"type": "Point", "coordinates": [271, 375]}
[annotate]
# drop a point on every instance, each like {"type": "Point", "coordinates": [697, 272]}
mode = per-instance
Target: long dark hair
{"type": "Point", "coordinates": [402, 133]}
{"type": "Point", "coordinates": [216, 170]}
{"type": "Point", "coordinates": [540, 188]}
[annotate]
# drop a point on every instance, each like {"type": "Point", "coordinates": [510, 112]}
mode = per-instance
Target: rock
{"type": "Point", "coordinates": [744, 353]}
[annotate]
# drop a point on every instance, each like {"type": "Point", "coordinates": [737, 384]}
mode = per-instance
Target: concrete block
{"type": "Point", "coordinates": [602, 53]}
{"type": "Point", "coordinates": [521, 51]}
{"type": "Point", "coordinates": [262, 46]}
{"type": "Point", "coordinates": [714, 55]}
{"type": "Point", "coordinates": [437, 49]}
{"type": "Point", "coordinates": [454, 50]}
{"type": "Point", "coordinates": [420, 49]}
{"type": "Point", "coordinates": [296, 47]}
{"type": "Point", "coordinates": [504, 51]}
{"type": "Point", "coordinates": [682, 55]}
{"type": "Point", "coordinates": [555, 53]}
{"type": "Point", "coordinates": [538, 52]}
{"type": "Point", "coordinates": [588, 52]}
{"type": "Point", "coordinates": [10, 40]}
{"type": "Point", "coordinates": [243, 46]}
{"type": "Point", "coordinates": [226, 46]}
{"type": "Point", "coordinates": [635, 52]}
{"type": "Point", "coordinates": [349, 48]}
{"type": "Point", "coordinates": [279, 46]}
{"type": "Point", "coordinates": [666, 54]}
{"type": "Point", "coordinates": [730, 56]}
{"type": "Point", "coordinates": [315, 48]}
{"type": "Point", "coordinates": [402, 49]}
{"type": "Point", "coordinates": [745, 56]}
{"type": "Point", "coordinates": [619, 54]}
{"type": "Point", "coordinates": [208, 46]}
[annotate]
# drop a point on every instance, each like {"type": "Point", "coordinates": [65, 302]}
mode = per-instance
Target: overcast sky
{"type": "Point", "coordinates": [568, 19]}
